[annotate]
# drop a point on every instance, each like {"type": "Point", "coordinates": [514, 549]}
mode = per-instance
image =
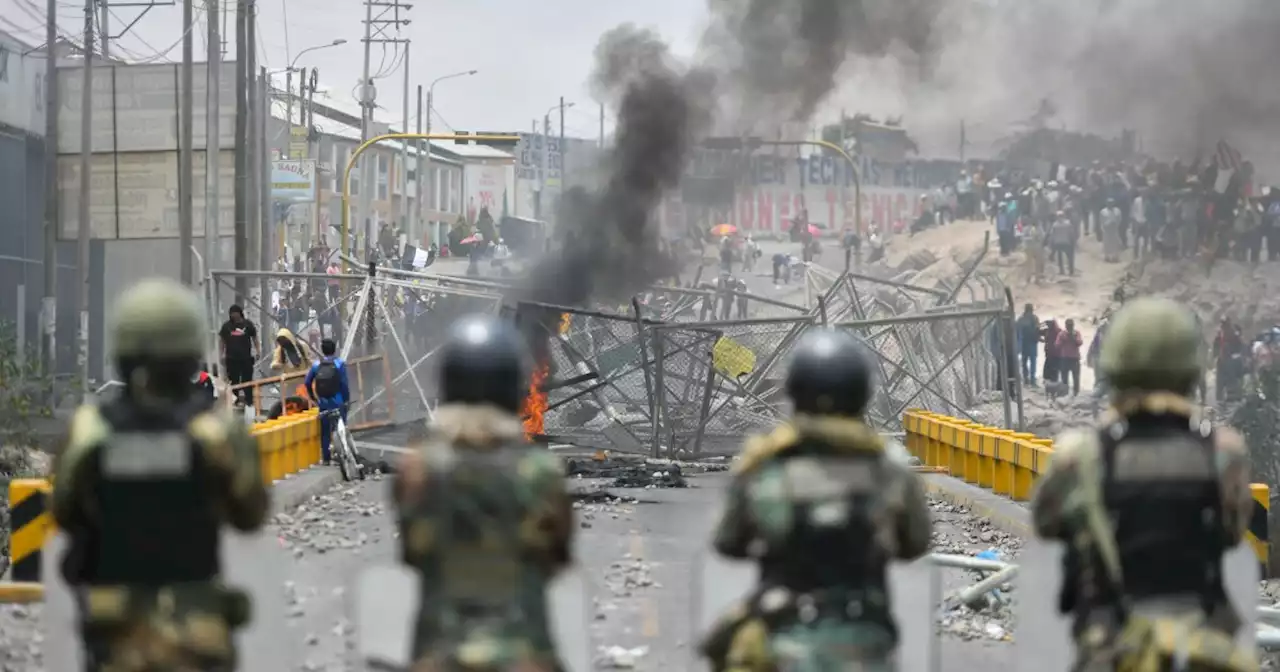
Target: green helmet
{"type": "Point", "coordinates": [158, 318]}
{"type": "Point", "coordinates": [1152, 343]}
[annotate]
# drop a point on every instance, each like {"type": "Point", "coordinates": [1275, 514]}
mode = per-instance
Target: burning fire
{"type": "Point", "coordinates": [535, 405]}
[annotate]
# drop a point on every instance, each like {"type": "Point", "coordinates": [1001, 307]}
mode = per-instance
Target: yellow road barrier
{"type": "Point", "coordinates": [287, 445]}
{"type": "Point", "coordinates": [1009, 462]}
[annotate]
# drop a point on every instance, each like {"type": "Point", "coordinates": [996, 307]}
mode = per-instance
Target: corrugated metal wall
{"type": "Point", "coordinates": [22, 249]}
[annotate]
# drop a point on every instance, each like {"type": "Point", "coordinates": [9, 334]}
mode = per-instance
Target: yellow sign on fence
{"type": "Point", "coordinates": [732, 359]}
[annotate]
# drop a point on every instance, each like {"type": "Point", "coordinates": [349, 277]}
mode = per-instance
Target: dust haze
{"type": "Point", "coordinates": [1183, 75]}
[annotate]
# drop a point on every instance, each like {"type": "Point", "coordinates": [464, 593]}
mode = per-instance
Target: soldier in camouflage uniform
{"type": "Point", "coordinates": [143, 486]}
{"type": "Point", "coordinates": [484, 516]}
{"type": "Point", "coordinates": [1147, 504]}
{"type": "Point", "coordinates": [822, 509]}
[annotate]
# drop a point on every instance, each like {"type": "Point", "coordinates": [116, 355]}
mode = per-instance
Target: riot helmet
{"type": "Point", "coordinates": [484, 360]}
{"type": "Point", "coordinates": [1152, 344]}
{"type": "Point", "coordinates": [830, 374]}
{"type": "Point", "coordinates": [158, 330]}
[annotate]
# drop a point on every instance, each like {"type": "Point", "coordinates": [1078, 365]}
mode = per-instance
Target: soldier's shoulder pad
{"type": "Point", "coordinates": [761, 448]}
{"type": "Point", "coordinates": [1074, 445]}
{"type": "Point", "coordinates": [1228, 440]}
{"type": "Point", "coordinates": [213, 428]}
{"type": "Point", "coordinates": [541, 465]}
{"type": "Point", "coordinates": [87, 427]}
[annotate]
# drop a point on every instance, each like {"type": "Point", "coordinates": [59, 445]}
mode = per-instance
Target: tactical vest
{"type": "Point", "coordinates": [1162, 493]}
{"type": "Point", "coordinates": [831, 550]}
{"type": "Point", "coordinates": [480, 574]}
{"type": "Point", "coordinates": [156, 520]}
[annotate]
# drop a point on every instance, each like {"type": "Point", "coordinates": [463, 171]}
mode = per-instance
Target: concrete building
{"type": "Point", "coordinates": [454, 185]}
{"type": "Point", "coordinates": [22, 211]}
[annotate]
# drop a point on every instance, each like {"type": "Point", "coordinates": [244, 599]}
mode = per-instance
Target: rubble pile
{"type": "Point", "coordinates": [993, 617]}
{"type": "Point", "coordinates": [638, 472]}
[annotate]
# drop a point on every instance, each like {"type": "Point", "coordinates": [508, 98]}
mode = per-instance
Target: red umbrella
{"type": "Point", "coordinates": [814, 231]}
{"type": "Point", "coordinates": [469, 239]}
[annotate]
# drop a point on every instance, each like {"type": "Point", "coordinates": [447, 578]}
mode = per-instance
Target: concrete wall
{"type": "Point", "coordinates": [117, 264]}
{"type": "Point", "coordinates": [22, 250]}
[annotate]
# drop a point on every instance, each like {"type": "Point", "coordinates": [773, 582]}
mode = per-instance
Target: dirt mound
{"type": "Point", "coordinates": [1248, 293]}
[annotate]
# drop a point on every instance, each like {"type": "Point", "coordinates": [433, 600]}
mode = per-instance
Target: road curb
{"type": "Point", "coordinates": [293, 492]}
{"type": "Point", "coordinates": [1006, 515]}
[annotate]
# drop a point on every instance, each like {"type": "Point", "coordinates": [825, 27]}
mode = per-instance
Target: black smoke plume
{"type": "Point", "coordinates": [761, 63]}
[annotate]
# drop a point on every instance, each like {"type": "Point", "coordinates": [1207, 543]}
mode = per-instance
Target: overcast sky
{"type": "Point", "coordinates": [528, 54]}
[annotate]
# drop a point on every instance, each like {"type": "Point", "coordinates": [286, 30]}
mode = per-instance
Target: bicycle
{"type": "Point", "coordinates": [343, 449]}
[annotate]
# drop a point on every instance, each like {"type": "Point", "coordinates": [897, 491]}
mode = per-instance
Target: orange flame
{"type": "Point", "coordinates": [535, 405]}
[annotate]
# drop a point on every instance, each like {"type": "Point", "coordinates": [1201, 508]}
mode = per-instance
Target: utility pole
{"type": "Point", "coordinates": [186, 158]}
{"type": "Point", "coordinates": [422, 164]}
{"type": "Point", "coordinates": [601, 125]}
{"type": "Point", "coordinates": [86, 168]}
{"type": "Point", "coordinates": [244, 46]}
{"type": "Point", "coordinates": [288, 100]}
{"type": "Point", "coordinates": [564, 166]}
{"type": "Point", "coordinates": [546, 153]}
{"type": "Point", "coordinates": [962, 141]}
{"type": "Point", "coordinates": [212, 143]}
{"type": "Point", "coordinates": [376, 29]}
{"type": "Point", "coordinates": [402, 206]}
{"type": "Point", "coordinates": [104, 22]}
{"type": "Point", "coordinates": [49, 307]}
{"type": "Point", "coordinates": [542, 172]}
{"type": "Point", "coordinates": [266, 211]}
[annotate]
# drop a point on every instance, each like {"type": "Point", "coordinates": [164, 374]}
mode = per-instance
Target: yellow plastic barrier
{"type": "Point", "coordinates": [286, 446]}
{"type": "Point", "coordinates": [1008, 463]}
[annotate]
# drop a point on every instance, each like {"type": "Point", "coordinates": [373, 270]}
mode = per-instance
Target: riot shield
{"type": "Point", "coordinates": [913, 587]}
{"type": "Point", "coordinates": [385, 606]}
{"type": "Point", "coordinates": [1241, 572]}
{"type": "Point", "coordinates": [252, 563]}
{"type": "Point", "coordinates": [62, 649]}
{"type": "Point", "coordinates": [1043, 640]}
{"type": "Point", "coordinates": [916, 589]}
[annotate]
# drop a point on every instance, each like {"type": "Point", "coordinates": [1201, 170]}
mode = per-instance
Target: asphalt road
{"type": "Point", "coordinates": [650, 588]}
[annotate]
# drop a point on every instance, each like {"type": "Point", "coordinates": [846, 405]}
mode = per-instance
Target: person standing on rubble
{"type": "Point", "coordinates": [484, 517]}
{"type": "Point", "coordinates": [1147, 505]}
{"type": "Point", "coordinates": [145, 483]}
{"type": "Point", "coordinates": [1028, 332]}
{"type": "Point", "coordinates": [823, 510]}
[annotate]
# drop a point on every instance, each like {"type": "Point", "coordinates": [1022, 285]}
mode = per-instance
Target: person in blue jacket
{"type": "Point", "coordinates": [327, 386]}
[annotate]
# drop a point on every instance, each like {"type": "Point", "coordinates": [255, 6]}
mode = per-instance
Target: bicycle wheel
{"type": "Point", "coordinates": [347, 464]}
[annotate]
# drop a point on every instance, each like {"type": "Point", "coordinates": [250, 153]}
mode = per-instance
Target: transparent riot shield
{"type": "Point", "coordinates": [1242, 572]}
{"type": "Point", "coordinates": [914, 588]}
{"type": "Point", "coordinates": [252, 563]}
{"type": "Point", "coordinates": [1043, 639]}
{"type": "Point", "coordinates": [62, 649]}
{"type": "Point", "coordinates": [385, 606]}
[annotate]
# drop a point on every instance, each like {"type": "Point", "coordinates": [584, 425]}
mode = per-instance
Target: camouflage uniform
{"type": "Point", "coordinates": [822, 510]}
{"type": "Point", "coordinates": [143, 486]}
{"type": "Point", "coordinates": [486, 520]}
{"type": "Point", "coordinates": [1147, 504]}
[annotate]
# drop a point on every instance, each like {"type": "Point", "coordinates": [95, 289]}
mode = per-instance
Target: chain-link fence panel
{"type": "Point", "coordinates": [940, 361]}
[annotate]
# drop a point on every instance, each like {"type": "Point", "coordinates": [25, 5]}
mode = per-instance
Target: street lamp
{"type": "Point", "coordinates": [424, 146]}
{"type": "Point", "coordinates": [288, 78]}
